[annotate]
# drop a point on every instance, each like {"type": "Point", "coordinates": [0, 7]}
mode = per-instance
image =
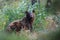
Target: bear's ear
{"type": "Point", "coordinates": [26, 11]}
{"type": "Point", "coordinates": [33, 11]}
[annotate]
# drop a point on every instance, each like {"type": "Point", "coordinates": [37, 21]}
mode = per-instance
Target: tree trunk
{"type": "Point", "coordinates": [49, 3]}
{"type": "Point", "coordinates": [33, 1]}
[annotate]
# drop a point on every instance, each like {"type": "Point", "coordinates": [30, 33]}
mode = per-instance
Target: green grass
{"type": "Point", "coordinates": [36, 35]}
{"type": "Point", "coordinates": [12, 36]}
{"type": "Point", "coordinates": [12, 12]}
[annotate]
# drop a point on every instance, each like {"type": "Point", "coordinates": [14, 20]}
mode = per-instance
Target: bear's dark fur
{"type": "Point", "coordinates": [25, 23]}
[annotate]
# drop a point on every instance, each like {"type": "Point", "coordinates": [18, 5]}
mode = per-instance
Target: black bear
{"type": "Point", "coordinates": [26, 23]}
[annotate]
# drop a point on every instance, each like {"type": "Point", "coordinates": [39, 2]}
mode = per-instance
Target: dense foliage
{"type": "Point", "coordinates": [45, 19]}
